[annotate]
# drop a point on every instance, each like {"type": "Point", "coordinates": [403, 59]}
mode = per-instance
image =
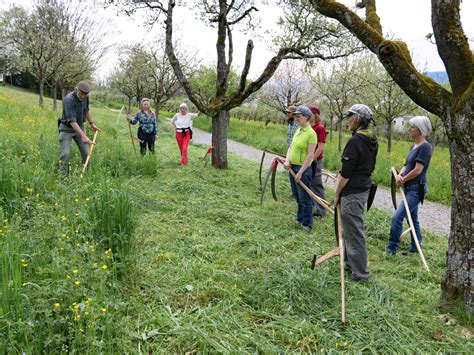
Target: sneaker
{"type": "Point", "coordinates": [298, 222]}
{"type": "Point", "coordinates": [390, 251]}
{"type": "Point", "coordinates": [306, 228]}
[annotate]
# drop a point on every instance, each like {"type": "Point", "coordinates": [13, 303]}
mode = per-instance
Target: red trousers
{"type": "Point", "coordinates": [183, 142]}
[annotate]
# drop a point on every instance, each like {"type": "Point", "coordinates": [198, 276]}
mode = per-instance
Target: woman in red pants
{"type": "Point", "coordinates": [182, 121]}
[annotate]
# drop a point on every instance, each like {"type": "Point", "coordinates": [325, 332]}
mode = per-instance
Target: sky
{"type": "Point", "coordinates": [408, 20]}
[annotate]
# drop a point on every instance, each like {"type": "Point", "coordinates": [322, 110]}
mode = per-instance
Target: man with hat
{"type": "Point", "coordinates": [353, 186]}
{"type": "Point", "coordinates": [71, 124]}
{"type": "Point", "coordinates": [317, 165]}
{"type": "Point", "coordinates": [292, 127]}
{"type": "Point", "coordinates": [292, 124]}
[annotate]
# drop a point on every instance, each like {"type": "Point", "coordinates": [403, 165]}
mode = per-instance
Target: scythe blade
{"type": "Point", "coordinates": [393, 190]}
{"type": "Point", "coordinates": [274, 171]}
{"type": "Point", "coordinates": [260, 170]}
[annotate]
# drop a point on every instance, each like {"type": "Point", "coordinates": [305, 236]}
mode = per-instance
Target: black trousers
{"type": "Point", "coordinates": [146, 139]}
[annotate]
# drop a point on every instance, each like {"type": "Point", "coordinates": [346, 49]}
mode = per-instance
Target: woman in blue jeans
{"type": "Point", "coordinates": [413, 178]}
{"type": "Point", "coordinates": [298, 158]}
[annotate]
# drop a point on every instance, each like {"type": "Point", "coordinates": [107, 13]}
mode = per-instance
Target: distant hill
{"type": "Point", "coordinates": [440, 77]}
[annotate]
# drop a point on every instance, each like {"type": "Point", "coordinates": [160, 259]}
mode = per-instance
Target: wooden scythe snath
{"type": "Point", "coordinates": [130, 131]}
{"type": "Point", "coordinates": [86, 163]}
{"type": "Point", "coordinates": [338, 251]}
{"type": "Point", "coordinates": [411, 227]}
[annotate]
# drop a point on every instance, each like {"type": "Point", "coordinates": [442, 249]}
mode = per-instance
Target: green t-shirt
{"type": "Point", "coordinates": [299, 146]}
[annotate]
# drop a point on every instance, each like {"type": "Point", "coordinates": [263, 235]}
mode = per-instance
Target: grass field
{"type": "Point", "coordinates": [144, 256]}
{"type": "Point", "coordinates": [273, 137]}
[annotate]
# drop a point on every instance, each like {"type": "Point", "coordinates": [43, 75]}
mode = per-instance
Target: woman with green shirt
{"type": "Point", "coordinates": [298, 158]}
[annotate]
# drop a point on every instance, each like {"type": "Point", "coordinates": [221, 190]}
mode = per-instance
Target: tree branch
{"type": "Point", "coordinates": [175, 62]}
{"type": "Point", "coordinates": [241, 17]}
{"type": "Point", "coordinates": [394, 56]}
{"type": "Point", "coordinates": [453, 47]}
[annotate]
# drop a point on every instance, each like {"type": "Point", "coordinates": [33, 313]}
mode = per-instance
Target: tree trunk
{"type": "Point", "coordinates": [129, 104]}
{"type": "Point", "coordinates": [63, 92]}
{"type": "Point", "coordinates": [157, 109]}
{"type": "Point", "coordinates": [331, 127]}
{"type": "Point", "coordinates": [339, 129]}
{"type": "Point", "coordinates": [55, 97]}
{"type": "Point", "coordinates": [41, 93]}
{"type": "Point", "coordinates": [457, 286]}
{"type": "Point", "coordinates": [389, 136]}
{"type": "Point", "coordinates": [220, 122]}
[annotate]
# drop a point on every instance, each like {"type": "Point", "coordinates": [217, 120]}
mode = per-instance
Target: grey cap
{"type": "Point", "coordinates": [303, 110]}
{"type": "Point", "coordinates": [84, 86]}
{"type": "Point", "coordinates": [361, 110]}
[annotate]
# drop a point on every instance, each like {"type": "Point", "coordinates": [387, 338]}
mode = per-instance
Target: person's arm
{"type": "Point", "coordinates": [350, 160]}
{"type": "Point", "coordinates": [135, 119]}
{"type": "Point", "coordinates": [287, 164]}
{"type": "Point", "coordinates": [81, 133]}
{"type": "Point", "coordinates": [319, 150]}
{"type": "Point", "coordinates": [399, 177]}
{"type": "Point", "coordinates": [173, 121]}
{"type": "Point", "coordinates": [91, 123]}
{"type": "Point", "coordinates": [414, 173]}
{"type": "Point", "coordinates": [194, 115]}
{"type": "Point", "coordinates": [155, 127]}
{"type": "Point", "coordinates": [307, 162]}
{"type": "Point", "coordinates": [340, 184]}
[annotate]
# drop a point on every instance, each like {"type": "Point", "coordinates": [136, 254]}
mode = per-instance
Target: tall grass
{"type": "Point", "coordinates": [213, 270]}
{"type": "Point", "coordinates": [273, 137]}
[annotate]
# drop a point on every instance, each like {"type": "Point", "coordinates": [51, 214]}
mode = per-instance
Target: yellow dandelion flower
{"type": "Point", "coordinates": [89, 300]}
{"type": "Point", "coordinates": [22, 260]}
{"type": "Point", "coordinates": [68, 277]}
{"type": "Point", "coordinates": [86, 313]}
{"type": "Point", "coordinates": [75, 271]}
{"type": "Point", "coordinates": [77, 231]}
{"type": "Point", "coordinates": [88, 199]}
{"type": "Point", "coordinates": [24, 264]}
{"type": "Point", "coordinates": [77, 317]}
{"type": "Point", "coordinates": [103, 309]}
{"type": "Point", "coordinates": [56, 305]}
{"type": "Point", "coordinates": [76, 307]}
{"type": "Point", "coordinates": [104, 267]}
{"type": "Point", "coordinates": [63, 218]}
{"type": "Point", "coordinates": [107, 257]}
{"type": "Point", "coordinates": [77, 200]}
{"type": "Point", "coordinates": [64, 235]}
{"type": "Point", "coordinates": [77, 282]}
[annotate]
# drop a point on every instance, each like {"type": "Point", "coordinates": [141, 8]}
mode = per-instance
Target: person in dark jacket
{"type": "Point", "coordinates": [71, 124]}
{"type": "Point", "coordinates": [352, 188]}
{"type": "Point", "coordinates": [413, 179]}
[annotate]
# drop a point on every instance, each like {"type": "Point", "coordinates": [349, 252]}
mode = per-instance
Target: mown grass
{"type": "Point", "coordinates": [273, 137]}
{"type": "Point", "coordinates": [212, 270]}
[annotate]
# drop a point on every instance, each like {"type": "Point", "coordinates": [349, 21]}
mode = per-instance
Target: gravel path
{"type": "Point", "coordinates": [433, 216]}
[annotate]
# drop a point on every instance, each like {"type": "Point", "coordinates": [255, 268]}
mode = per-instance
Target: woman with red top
{"type": "Point", "coordinates": [317, 183]}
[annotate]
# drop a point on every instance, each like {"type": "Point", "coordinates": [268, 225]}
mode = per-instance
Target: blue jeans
{"type": "Point", "coordinates": [304, 214]}
{"type": "Point", "coordinates": [412, 195]}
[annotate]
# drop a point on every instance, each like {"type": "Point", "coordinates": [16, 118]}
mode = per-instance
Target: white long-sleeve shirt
{"type": "Point", "coordinates": [184, 121]}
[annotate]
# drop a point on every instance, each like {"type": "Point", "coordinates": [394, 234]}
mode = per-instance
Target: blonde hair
{"type": "Point", "coordinates": [184, 105]}
{"type": "Point", "coordinates": [145, 99]}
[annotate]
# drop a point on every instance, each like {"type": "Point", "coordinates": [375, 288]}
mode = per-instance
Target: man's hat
{"type": "Point", "coordinates": [362, 110]}
{"type": "Point", "coordinates": [83, 86]}
{"type": "Point", "coordinates": [291, 109]}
